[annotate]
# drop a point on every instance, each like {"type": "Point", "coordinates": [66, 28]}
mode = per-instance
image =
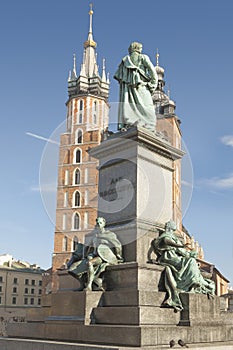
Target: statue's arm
{"type": "Point", "coordinates": [172, 243]}
{"type": "Point", "coordinates": [151, 69]}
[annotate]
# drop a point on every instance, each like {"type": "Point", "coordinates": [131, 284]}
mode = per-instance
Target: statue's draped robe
{"type": "Point", "coordinates": [78, 265]}
{"type": "Point", "coordinates": [182, 273]}
{"type": "Point", "coordinates": [137, 82]}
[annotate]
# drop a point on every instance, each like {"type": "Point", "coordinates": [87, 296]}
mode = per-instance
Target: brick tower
{"type": "Point", "coordinates": [87, 119]}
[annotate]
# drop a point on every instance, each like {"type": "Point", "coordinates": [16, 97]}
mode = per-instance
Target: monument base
{"type": "Point", "coordinates": [127, 314]}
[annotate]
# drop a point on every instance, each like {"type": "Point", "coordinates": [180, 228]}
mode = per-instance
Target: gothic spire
{"type": "Point", "coordinates": [90, 62]}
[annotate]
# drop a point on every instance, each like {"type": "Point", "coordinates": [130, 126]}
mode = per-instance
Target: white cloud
{"type": "Point", "coordinates": [220, 183]}
{"type": "Point", "coordinates": [227, 140]}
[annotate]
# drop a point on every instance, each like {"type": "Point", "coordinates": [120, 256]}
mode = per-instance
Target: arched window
{"type": "Point", "coordinates": [95, 112]}
{"type": "Point", "coordinates": [79, 136]}
{"type": "Point", "coordinates": [76, 221]}
{"type": "Point", "coordinates": [80, 105]}
{"type": "Point", "coordinates": [65, 244]}
{"type": "Point", "coordinates": [75, 243]}
{"type": "Point", "coordinates": [77, 156]}
{"type": "Point", "coordinates": [80, 113]}
{"type": "Point", "coordinates": [76, 199]}
{"type": "Point", "coordinates": [77, 177]}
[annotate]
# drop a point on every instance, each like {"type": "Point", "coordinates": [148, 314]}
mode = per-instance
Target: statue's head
{"type": "Point", "coordinates": [100, 221]}
{"type": "Point", "coordinates": [135, 47]}
{"type": "Point", "coordinates": [170, 225]}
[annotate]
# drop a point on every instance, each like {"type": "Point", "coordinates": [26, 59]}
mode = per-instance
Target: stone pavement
{"type": "Point", "coordinates": [28, 344]}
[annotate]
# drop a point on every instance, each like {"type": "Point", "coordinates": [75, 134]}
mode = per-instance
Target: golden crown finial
{"type": "Point", "coordinates": [91, 9]}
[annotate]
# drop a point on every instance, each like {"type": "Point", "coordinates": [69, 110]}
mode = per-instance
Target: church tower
{"type": "Point", "coordinates": [86, 121]}
{"type": "Point", "coordinates": [168, 124]}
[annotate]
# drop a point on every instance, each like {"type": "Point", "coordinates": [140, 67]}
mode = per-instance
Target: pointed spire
{"type": "Point", "coordinates": [91, 14]}
{"type": "Point", "coordinates": [90, 41]}
{"type": "Point", "coordinates": [74, 73]}
{"type": "Point", "coordinates": [108, 79]}
{"type": "Point", "coordinates": [104, 80]}
{"type": "Point", "coordinates": [69, 77]}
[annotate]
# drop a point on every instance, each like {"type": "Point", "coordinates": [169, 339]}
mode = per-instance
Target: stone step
{"type": "Point", "coordinates": [132, 298]}
{"type": "Point", "coordinates": [124, 335]}
{"type": "Point", "coordinates": [133, 315]}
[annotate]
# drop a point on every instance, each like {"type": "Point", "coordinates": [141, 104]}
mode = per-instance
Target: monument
{"type": "Point", "coordinates": [133, 283]}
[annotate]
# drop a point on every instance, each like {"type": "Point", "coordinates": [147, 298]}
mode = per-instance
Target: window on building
{"type": "Point", "coordinates": [26, 291]}
{"type": "Point", "coordinates": [40, 291]}
{"type": "Point", "coordinates": [33, 282]}
{"type": "Point", "coordinates": [0, 289]}
{"type": "Point", "coordinates": [39, 301]}
{"type": "Point", "coordinates": [79, 136]}
{"type": "Point", "coordinates": [15, 280]}
{"type": "Point", "coordinates": [77, 156]}
{"type": "Point", "coordinates": [40, 283]}
{"type": "Point", "coordinates": [32, 301]}
{"type": "Point", "coordinates": [77, 177]}
{"type": "Point", "coordinates": [64, 244]}
{"type": "Point", "coordinates": [14, 290]}
{"type": "Point", "coordinates": [75, 243]}
{"type": "Point", "coordinates": [0, 300]}
{"type": "Point", "coordinates": [32, 291]}
{"type": "Point", "coordinates": [25, 301]}
{"type": "Point", "coordinates": [77, 199]}
{"type": "Point", "coordinates": [80, 105]}
{"type": "Point", "coordinates": [1, 279]}
{"type": "Point", "coordinates": [76, 221]}
{"type": "Point", "coordinates": [26, 281]}
{"type": "Point", "coordinates": [14, 301]}
{"type": "Point", "coordinates": [80, 118]}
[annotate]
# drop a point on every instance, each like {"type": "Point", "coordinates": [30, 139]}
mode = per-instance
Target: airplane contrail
{"type": "Point", "coordinates": [42, 138]}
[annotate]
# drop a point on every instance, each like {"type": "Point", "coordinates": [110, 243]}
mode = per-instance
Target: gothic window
{"type": "Point", "coordinates": [95, 112]}
{"type": "Point", "coordinates": [76, 221]}
{"type": "Point", "coordinates": [77, 156]}
{"type": "Point", "coordinates": [80, 105]}
{"type": "Point", "coordinates": [80, 118]}
{"type": "Point", "coordinates": [75, 242]}
{"type": "Point", "coordinates": [77, 199]}
{"type": "Point", "coordinates": [77, 177]}
{"type": "Point", "coordinates": [79, 136]}
{"type": "Point", "coordinates": [65, 244]}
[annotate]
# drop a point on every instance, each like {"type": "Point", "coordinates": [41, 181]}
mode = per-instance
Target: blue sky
{"type": "Point", "coordinates": [37, 41]}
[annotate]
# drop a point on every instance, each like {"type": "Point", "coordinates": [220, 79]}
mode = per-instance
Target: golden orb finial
{"type": "Point", "coordinates": [91, 9]}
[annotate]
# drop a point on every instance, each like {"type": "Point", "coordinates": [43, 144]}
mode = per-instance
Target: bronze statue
{"type": "Point", "coordinates": [89, 262]}
{"type": "Point", "coordinates": [182, 273]}
{"type": "Point", "coordinates": [138, 79]}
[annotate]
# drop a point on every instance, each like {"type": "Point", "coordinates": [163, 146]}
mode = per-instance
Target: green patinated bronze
{"type": "Point", "coordinates": [182, 273]}
{"type": "Point", "coordinates": [88, 263]}
{"type": "Point", "coordinates": [138, 79]}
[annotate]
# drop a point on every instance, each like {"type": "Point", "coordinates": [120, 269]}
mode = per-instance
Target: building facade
{"type": "Point", "coordinates": [20, 285]}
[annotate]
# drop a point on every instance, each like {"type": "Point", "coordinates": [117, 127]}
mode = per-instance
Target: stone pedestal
{"type": "Point", "coordinates": [135, 187]}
